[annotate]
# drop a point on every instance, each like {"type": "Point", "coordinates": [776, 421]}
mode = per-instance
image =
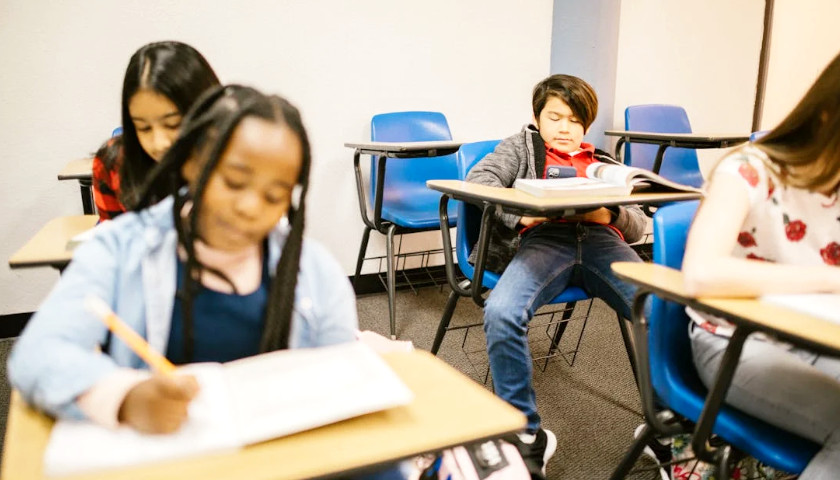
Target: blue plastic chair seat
{"type": "Point", "coordinates": [675, 377]}
{"type": "Point", "coordinates": [413, 206]}
{"type": "Point", "coordinates": [489, 280]}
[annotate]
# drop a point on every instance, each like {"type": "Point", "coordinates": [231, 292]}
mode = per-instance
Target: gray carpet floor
{"type": "Point", "coordinates": [592, 407]}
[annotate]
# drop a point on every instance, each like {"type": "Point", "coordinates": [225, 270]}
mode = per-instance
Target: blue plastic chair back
{"type": "Point", "coordinates": [673, 373]}
{"type": "Point", "coordinates": [758, 134]}
{"type": "Point", "coordinates": [117, 131]}
{"type": "Point", "coordinates": [406, 200]}
{"type": "Point", "coordinates": [469, 216]}
{"type": "Point", "coordinates": [469, 223]}
{"type": "Point", "coordinates": [678, 164]}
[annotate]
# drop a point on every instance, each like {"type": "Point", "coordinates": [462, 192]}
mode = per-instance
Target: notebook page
{"type": "Point", "coordinates": [79, 447]}
{"type": "Point", "coordinates": [289, 391]}
{"type": "Point", "coordinates": [820, 305]}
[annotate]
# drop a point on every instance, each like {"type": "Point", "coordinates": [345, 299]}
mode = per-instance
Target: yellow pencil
{"type": "Point", "coordinates": [140, 346]}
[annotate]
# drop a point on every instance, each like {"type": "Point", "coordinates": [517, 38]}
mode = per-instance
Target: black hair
{"type": "Point", "coordinates": [173, 69]}
{"type": "Point", "coordinates": [575, 92]}
{"type": "Point", "coordinates": [207, 131]}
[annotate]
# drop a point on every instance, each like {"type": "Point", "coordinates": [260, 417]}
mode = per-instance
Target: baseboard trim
{"type": "Point", "coordinates": [371, 283]}
{"type": "Point", "coordinates": [12, 324]}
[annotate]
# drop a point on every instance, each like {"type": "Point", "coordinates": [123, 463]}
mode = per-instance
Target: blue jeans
{"type": "Point", "coordinates": [792, 388]}
{"type": "Point", "coordinates": [551, 257]}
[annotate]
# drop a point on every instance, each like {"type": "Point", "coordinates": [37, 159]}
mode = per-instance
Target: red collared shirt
{"type": "Point", "coordinates": [580, 159]}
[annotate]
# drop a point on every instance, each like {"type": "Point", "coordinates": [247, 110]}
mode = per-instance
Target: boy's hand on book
{"type": "Point", "coordinates": [159, 404]}
{"type": "Point", "coordinates": [601, 215]}
{"type": "Point", "coordinates": [530, 221]}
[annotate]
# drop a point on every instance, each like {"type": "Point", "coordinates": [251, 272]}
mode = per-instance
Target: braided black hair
{"type": "Point", "coordinates": [208, 128]}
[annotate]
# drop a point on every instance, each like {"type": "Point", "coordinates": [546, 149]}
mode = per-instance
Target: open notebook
{"type": "Point", "coordinates": [821, 305]}
{"type": "Point", "coordinates": [242, 402]}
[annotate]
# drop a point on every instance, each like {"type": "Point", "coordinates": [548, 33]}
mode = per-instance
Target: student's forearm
{"type": "Point", "coordinates": [735, 277]}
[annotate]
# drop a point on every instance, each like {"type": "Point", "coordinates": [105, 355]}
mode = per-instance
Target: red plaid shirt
{"type": "Point", "coordinates": [106, 186]}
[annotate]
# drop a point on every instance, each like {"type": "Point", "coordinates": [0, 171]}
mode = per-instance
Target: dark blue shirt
{"type": "Point", "coordinates": [226, 326]}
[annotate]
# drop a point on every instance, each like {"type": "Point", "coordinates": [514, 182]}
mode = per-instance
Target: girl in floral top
{"type": "Point", "coordinates": [162, 81]}
{"type": "Point", "coordinates": [770, 223]}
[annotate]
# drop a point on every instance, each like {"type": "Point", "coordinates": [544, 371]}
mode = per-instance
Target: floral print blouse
{"type": "Point", "coordinates": [785, 224]}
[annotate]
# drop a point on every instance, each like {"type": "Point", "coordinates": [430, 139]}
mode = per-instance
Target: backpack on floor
{"type": "Point", "coordinates": [490, 460]}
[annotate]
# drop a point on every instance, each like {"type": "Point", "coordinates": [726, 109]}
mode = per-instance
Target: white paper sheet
{"type": "Point", "coordinates": [242, 402]}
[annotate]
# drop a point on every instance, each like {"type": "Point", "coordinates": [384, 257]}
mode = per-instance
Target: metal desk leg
{"type": "Point", "coordinates": [657, 163]}
{"type": "Point", "coordinates": [392, 287]}
{"type": "Point", "coordinates": [88, 204]}
{"type": "Point", "coordinates": [618, 146]}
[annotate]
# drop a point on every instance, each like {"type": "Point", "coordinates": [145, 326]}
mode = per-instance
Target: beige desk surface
{"type": "Point", "coordinates": [786, 323]}
{"type": "Point", "coordinates": [449, 409]}
{"type": "Point", "coordinates": [513, 198]}
{"type": "Point", "coordinates": [49, 246]}
{"type": "Point", "coordinates": [77, 169]}
{"type": "Point", "coordinates": [675, 139]}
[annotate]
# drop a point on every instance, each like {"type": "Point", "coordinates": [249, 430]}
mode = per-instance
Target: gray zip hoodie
{"type": "Point", "coordinates": [516, 157]}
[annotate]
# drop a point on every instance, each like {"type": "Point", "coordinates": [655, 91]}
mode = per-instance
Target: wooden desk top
{"type": "Point", "coordinates": [784, 323]}
{"type": "Point", "coordinates": [81, 169]}
{"type": "Point", "coordinates": [449, 409]}
{"type": "Point", "coordinates": [49, 246]}
{"type": "Point", "coordinates": [676, 139]}
{"type": "Point", "coordinates": [406, 149]}
{"type": "Point", "coordinates": [516, 200]}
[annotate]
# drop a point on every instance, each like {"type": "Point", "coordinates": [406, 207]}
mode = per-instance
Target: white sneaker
{"type": "Point", "coordinates": [536, 449]}
{"type": "Point", "coordinates": [663, 473]}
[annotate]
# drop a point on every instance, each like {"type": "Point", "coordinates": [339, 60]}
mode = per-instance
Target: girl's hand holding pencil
{"type": "Point", "coordinates": [159, 404]}
{"type": "Point", "coordinates": [156, 405]}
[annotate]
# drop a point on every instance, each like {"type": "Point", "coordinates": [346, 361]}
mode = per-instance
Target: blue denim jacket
{"type": "Point", "coordinates": [131, 264]}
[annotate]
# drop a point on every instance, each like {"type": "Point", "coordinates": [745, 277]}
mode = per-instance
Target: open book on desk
{"type": "Point", "coordinates": [602, 179]}
{"type": "Point", "coordinates": [240, 403]}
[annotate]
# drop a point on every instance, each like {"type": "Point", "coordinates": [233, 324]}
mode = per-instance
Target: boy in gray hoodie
{"type": "Point", "coordinates": [541, 257]}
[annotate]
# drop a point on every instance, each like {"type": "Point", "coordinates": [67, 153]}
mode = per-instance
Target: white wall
{"type": "Point", "coordinates": [701, 55]}
{"type": "Point", "coordinates": [805, 38]}
{"type": "Point", "coordinates": [340, 62]}
{"type": "Point", "coordinates": [584, 43]}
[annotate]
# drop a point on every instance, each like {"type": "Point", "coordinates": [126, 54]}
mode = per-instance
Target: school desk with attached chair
{"type": "Point", "coordinates": [667, 126]}
{"type": "Point", "coordinates": [667, 372]}
{"type": "Point", "coordinates": [510, 200]}
{"type": "Point", "coordinates": [398, 207]}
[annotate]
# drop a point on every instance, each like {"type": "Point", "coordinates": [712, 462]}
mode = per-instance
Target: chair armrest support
{"type": "Point", "coordinates": [661, 421]}
{"type": "Point", "coordinates": [618, 145]}
{"type": "Point", "coordinates": [715, 398]}
{"type": "Point", "coordinates": [360, 190]}
{"type": "Point", "coordinates": [488, 220]}
{"type": "Point", "coordinates": [446, 237]}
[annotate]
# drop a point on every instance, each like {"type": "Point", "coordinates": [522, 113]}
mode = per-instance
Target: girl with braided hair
{"type": "Point", "coordinates": [216, 270]}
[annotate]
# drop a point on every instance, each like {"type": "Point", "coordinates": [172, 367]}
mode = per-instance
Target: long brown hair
{"type": "Point", "coordinates": [806, 144]}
